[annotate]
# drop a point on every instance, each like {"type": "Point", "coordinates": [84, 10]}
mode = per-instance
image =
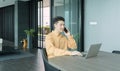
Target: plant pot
{"type": "Point", "coordinates": [29, 41]}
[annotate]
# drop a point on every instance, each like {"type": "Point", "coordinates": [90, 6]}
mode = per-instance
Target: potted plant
{"type": "Point", "coordinates": [29, 34]}
{"type": "Point", "coordinates": [77, 39]}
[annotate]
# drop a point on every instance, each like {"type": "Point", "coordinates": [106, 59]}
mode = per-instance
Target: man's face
{"type": "Point", "coordinates": [59, 26]}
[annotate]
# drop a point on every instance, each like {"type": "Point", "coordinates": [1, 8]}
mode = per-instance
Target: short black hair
{"type": "Point", "coordinates": [58, 18]}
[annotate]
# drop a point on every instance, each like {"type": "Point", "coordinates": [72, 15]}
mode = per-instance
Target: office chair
{"type": "Point", "coordinates": [47, 66]}
{"type": "Point", "coordinates": [116, 51]}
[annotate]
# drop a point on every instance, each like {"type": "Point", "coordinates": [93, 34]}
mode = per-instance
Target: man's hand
{"type": "Point", "coordinates": [68, 33]}
{"type": "Point", "coordinates": [76, 53]}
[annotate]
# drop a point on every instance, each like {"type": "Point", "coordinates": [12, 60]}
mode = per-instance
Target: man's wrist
{"type": "Point", "coordinates": [69, 53]}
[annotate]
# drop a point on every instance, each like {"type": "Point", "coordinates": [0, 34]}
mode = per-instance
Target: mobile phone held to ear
{"type": "Point", "coordinates": [65, 30]}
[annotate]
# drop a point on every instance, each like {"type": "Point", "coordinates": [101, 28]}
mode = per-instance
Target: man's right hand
{"type": "Point", "coordinates": [76, 53]}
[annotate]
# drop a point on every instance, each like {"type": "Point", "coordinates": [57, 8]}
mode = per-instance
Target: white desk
{"type": "Point", "coordinates": [1, 41]}
{"type": "Point", "coordinates": [103, 62]}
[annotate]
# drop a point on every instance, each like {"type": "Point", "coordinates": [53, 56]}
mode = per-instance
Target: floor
{"type": "Point", "coordinates": [24, 64]}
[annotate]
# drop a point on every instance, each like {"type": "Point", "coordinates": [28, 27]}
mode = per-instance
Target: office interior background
{"type": "Point", "coordinates": [99, 20]}
{"type": "Point", "coordinates": [96, 21]}
{"type": "Point", "coordinates": [90, 22]}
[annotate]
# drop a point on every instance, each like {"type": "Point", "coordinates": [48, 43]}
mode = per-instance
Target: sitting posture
{"type": "Point", "coordinates": [56, 43]}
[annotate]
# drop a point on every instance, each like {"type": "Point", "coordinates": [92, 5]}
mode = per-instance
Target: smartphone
{"type": "Point", "coordinates": [65, 30]}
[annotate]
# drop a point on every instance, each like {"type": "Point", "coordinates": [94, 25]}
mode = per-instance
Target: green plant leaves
{"type": "Point", "coordinates": [29, 32]}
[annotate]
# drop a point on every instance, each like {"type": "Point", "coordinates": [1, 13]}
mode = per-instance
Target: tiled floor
{"type": "Point", "coordinates": [24, 64]}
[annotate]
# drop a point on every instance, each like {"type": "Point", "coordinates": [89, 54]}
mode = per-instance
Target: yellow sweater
{"type": "Point", "coordinates": [57, 44]}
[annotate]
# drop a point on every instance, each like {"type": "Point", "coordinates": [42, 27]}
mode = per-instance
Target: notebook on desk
{"type": "Point", "coordinates": [92, 52]}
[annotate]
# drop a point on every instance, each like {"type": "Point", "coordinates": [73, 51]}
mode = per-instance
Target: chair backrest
{"type": "Point", "coordinates": [116, 51]}
{"type": "Point", "coordinates": [47, 66]}
{"type": "Point", "coordinates": [44, 53]}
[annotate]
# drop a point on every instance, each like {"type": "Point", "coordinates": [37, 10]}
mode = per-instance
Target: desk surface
{"type": "Point", "coordinates": [103, 62]}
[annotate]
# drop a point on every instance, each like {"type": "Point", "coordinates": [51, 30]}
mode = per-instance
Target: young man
{"type": "Point", "coordinates": [56, 43]}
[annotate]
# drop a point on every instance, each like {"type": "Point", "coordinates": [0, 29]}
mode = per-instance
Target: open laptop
{"type": "Point", "coordinates": [93, 51]}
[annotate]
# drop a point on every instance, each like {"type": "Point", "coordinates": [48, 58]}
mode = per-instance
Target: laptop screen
{"type": "Point", "coordinates": [93, 50]}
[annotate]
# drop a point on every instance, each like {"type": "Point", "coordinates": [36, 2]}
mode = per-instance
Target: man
{"type": "Point", "coordinates": [56, 43]}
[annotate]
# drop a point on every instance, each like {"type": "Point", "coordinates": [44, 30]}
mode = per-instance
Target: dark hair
{"type": "Point", "coordinates": [58, 18]}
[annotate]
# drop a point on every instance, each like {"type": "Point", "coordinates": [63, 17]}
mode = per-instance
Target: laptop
{"type": "Point", "coordinates": [93, 51]}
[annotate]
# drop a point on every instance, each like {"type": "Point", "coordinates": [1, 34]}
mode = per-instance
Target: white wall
{"type": "Point", "coordinates": [4, 3]}
{"type": "Point", "coordinates": [106, 13]}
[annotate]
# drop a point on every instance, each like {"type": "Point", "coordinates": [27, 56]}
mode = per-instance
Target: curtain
{"type": "Point", "coordinates": [7, 23]}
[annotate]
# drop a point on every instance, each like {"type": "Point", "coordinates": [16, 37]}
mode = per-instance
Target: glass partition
{"type": "Point", "coordinates": [71, 11]}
